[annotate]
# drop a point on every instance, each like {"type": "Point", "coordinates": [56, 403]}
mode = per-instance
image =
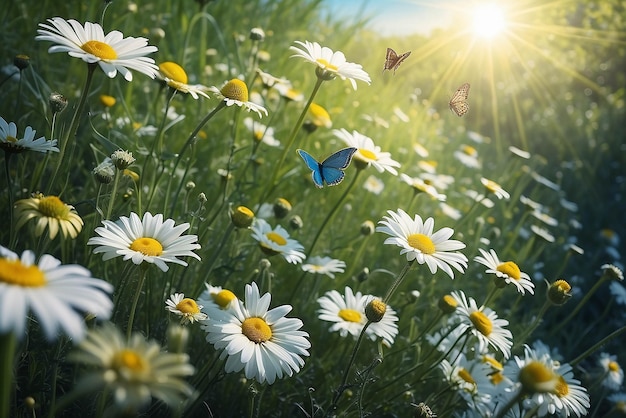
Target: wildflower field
{"type": "Point", "coordinates": [261, 209]}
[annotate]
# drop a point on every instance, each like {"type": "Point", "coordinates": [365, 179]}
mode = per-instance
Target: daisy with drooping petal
{"type": "Point", "coordinates": [418, 242]}
{"type": "Point", "coordinates": [470, 379]}
{"type": "Point", "coordinates": [10, 143]}
{"type": "Point", "coordinates": [274, 241]}
{"type": "Point", "coordinates": [149, 239]}
{"type": "Point", "coordinates": [483, 324]}
{"type": "Point", "coordinates": [507, 271]}
{"type": "Point", "coordinates": [324, 265]}
{"type": "Point", "coordinates": [176, 78]}
{"type": "Point", "coordinates": [133, 370]}
{"type": "Point", "coordinates": [420, 186]}
{"type": "Point", "coordinates": [264, 343]}
{"type": "Point", "coordinates": [612, 373]}
{"type": "Point", "coordinates": [186, 308]}
{"type": "Point", "coordinates": [215, 298]}
{"type": "Point", "coordinates": [347, 312]}
{"type": "Point", "coordinates": [367, 152]}
{"type": "Point", "coordinates": [52, 292]}
{"type": "Point", "coordinates": [112, 51]}
{"type": "Point", "coordinates": [50, 213]}
{"type": "Point", "coordinates": [494, 188]}
{"type": "Point", "coordinates": [235, 92]}
{"type": "Point", "coordinates": [329, 63]}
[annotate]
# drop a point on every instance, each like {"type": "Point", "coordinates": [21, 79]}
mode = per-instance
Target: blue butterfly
{"type": "Point", "coordinates": [331, 169]}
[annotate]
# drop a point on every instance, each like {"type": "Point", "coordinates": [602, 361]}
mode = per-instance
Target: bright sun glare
{"type": "Point", "coordinates": [489, 20]}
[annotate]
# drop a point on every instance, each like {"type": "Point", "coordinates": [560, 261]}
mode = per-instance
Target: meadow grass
{"type": "Point", "coordinates": [533, 171]}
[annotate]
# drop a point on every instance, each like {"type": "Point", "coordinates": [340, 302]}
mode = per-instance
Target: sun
{"type": "Point", "coordinates": [489, 20]}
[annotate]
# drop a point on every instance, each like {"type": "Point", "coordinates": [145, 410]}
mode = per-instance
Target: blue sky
{"type": "Point", "coordinates": [398, 17]}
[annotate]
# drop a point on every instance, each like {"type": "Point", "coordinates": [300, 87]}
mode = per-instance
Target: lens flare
{"type": "Point", "coordinates": [489, 20]}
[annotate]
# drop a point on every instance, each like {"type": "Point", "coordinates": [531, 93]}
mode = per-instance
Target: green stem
{"type": "Point", "coordinates": [510, 404]}
{"type": "Point", "coordinates": [333, 407]}
{"type": "Point", "coordinates": [597, 345]}
{"type": "Point", "coordinates": [7, 158]}
{"type": "Point", "coordinates": [71, 133]}
{"type": "Point", "coordinates": [131, 318]}
{"type": "Point", "coordinates": [398, 281]}
{"type": "Point", "coordinates": [7, 354]}
{"type": "Point", "coordinates": [332, 212]}
{"type": "Point", "coordinates": [214, 258]}
{"type": "Point", "coordinates": [291, 140]}
{"type": "Point", "coordinates": [531, 328]}
{"type": "Point", "coordinates": [116, 182]}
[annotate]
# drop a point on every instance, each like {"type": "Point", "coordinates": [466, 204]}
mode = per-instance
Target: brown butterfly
{"type": "Point", "coordinates": [393, 60]}
{"type": "Point", "coordinates": [458, 102]}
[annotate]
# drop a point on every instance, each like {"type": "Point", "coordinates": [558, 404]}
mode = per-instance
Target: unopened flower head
{"type": "Point", "coordinates": [51, 214]}
{"type": "Point", "coordinates": [122, 159]}
{"type": "Point", "coordinates": [112, 52]}
{"type": "Point", "coordinates": [330, 64]}
{"type": "Point", "coordinates": [242, 217]}
{"type": "Point", "coordinates": [559, 292]}
{"type": "Point", "coordinates": [419, 242]}
{"type": "Point", "coordinates": [57, 102]}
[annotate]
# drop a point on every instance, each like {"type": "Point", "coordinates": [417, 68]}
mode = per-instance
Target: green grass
{"type": "Point", "coordinates": [554, 87]}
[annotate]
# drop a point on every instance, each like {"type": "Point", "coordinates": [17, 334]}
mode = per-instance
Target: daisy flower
{"type": "Point", "coordinates": [53, 292]}
{"type": "Point", "coordinates": [495, 188]}
{"type": "Point", "coordinates": [235, 92]}
{"type": "Point", "coordinates": [261, 133]}
{"type": "Point", "coordinates": [49, 213]}
{"type": "Point", "coordinates": [264, 343]}
{"type": "Point", "coordinates": [134, 370]}
{"type": "Point", "coordinates": [273, 241]}
{"type": "Point", "coordinates": [149, 239]}
{"type": "Point", "coordinates": [367, 152]}
{"type": "Point", "coordinates": [186, 308]}
{"type": "Point", "coordinates": [612, 373]}
{"type": "Point", "coordinates": [470, 379]}
{"type": "Point", "coordinates": [112, 51]}
{"type": "Point", "coordinates": [374, 185]}
{"type": "Point", "coordinates": [324, 265]}
{"type": "Point", "coordinates": [319, 116]}
{"type": "Point", "coordinates": [420, 186]}
{"type": "Point", "coordinates": [215, 298]}
{"type": "Point", "coordinates": [176, 78]}
{"type": "Point", "coordinates": [468, 156]}
{"type": "Point", "coordinates": [9, 141]}
{"type": "Point", "coordinates": [418, 242]}
{"type": "Point", "coordinates": [330, 64]}
{"type": "Point", "coordinates": [507, 271]}
{"type": "Point", "coordinates": [347, 312]}
{"type": "Point", "coordinates": [483, 324]}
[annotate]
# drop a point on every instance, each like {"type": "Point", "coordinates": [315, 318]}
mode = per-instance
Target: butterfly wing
{"type": "Point", "coordinates": [393, 60]}
{"type": "Point", "coordinates": [400, 59]}
{"type": "Point", "coordinates": [458, 102]}
{"type": "Point", "coordinates": [314, 166]}
{"type": "Point", "coordinates": [333, 166]}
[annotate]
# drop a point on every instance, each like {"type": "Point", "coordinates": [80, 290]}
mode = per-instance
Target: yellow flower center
{"type": "Point", "coordinates": [496, 378]}
{"type": "Point", "coordinates": [561, 389]}
{"type": "Point", "coordinates": [276, 238]}
{"type": "Point", "coordinates": [256, 329]}
{"type": "Point", "coordinates": [173, 71]}
{"type": "Point", "coordinates": [11, 138]}
{"type": "Point", "coordinates": [188, 306]}
{"type": "Point", "coordinates": [469, 150]}
{"type": "Point", "coordinates": [510, 269]}
{"type": "Point", "coordinates": [481, 323]}
{"type": "Point", "coordinates": [258, 135]}
{"type": "Point", "coordinates": [320, 116]}
{"type": "Point", "coordinates": [421, 242]}
{"type": "Point", "coordinates": [493, 363]}
{"type": "Point", "coordinates": [13, 272]}
{"type": "Point", "coordinates": [107, 101]}
{"type": "Point", "coordinates": [465, 375]}
{"type": "Point", "coordinates": [147, 246]}
{"type": "Point", "coordinates": [100, 50]}
{"type": "Point", "coordinates": [327, 65]}
{"type": "Point", "coordinates": [53, 207]}
{"type": "Point", "coordinates": [350, 315]}
{"type": "Point", "coordinates": [235, 89]}
{"type": "Point", "coordinates": [367, 155]}
{"type": "Point", "coordinates": [492, 186]}
{"type": "Point", "coordinates": [536, 377]}
{"type": "Point", "coordinates": [223, 297]}
{"type": "Point", "coordinates": [613, 366]}
{"type": "Point", "coordinates": [129, 359]}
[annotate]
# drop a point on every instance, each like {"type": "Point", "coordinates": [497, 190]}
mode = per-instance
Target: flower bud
{"type": "Point", "coordinates": [447, 304]}
{"type": "Point", "coordinates": [122, 159]}
{"type": "Point", "coordinates": [281, 208]}
{"type": "Point", "coordinates": [257, 34]}
{"type": "Point", "coordinates": [295, 222]}
{"type": "Point", "coordinates": [367, 228]}
{"type": "Point", "coordinates": [242, 217]}
{"type": "Point", "coordinates": [21, 61]}
{"type": "Point", "coordinates": [375, 310]}
{"type": "Point", "coordinates": [57, 103]}
{"type": "Point", "coordinates": [559, 292]}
